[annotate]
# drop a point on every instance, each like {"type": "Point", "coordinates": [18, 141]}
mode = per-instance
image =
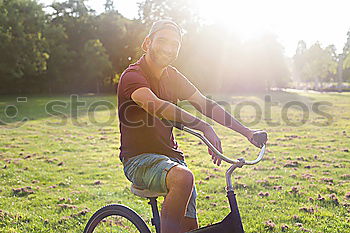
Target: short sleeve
{"type": "Point", "coordinates": [130, 82]}
{"type": "Point", "coordinates": [185, 88]}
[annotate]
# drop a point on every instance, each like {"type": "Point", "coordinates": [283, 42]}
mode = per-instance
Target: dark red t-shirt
{"type": "Point", "coordinates": [141, 132]}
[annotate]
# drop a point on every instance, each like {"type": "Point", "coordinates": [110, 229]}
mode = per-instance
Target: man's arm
{"type": "Point", "coordinates": [214, 111]}
{"type": "Point", "coordinates": [145, 98]}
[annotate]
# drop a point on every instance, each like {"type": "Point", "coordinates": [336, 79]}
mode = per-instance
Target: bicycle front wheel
{"type": "Point", "coordinates": [116, 218]}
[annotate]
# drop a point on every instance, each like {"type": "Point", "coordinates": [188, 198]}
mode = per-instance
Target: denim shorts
{"type": "Point", "coordinates": [148, 171]}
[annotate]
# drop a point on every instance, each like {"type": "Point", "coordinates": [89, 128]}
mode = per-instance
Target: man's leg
{"type": "Point", "coordinates": [189, 224]}
{"type": "Point", "coordinates": [179, 182]}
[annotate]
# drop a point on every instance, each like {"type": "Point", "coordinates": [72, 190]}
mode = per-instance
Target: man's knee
{"type": "Point", "coordinates": [180, 177]}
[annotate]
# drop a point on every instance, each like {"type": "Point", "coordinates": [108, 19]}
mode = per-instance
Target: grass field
{"type": "Point", "coordinates": [55, 171]}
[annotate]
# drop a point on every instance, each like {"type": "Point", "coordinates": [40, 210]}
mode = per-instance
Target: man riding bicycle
{"type": "Point", "coordinates": [148, 93]}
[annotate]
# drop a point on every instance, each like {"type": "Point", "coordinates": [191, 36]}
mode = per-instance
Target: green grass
{"type": "Point", "coordinates": [306, 171]}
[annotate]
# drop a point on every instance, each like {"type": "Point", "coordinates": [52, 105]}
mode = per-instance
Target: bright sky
{"type": "Point", "coordinates": [326, 21]}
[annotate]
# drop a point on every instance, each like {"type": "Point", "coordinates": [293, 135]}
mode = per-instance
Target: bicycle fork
{"type": "Point", "coordinates": [235, 216]}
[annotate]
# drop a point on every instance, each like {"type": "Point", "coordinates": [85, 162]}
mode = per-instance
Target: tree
{"type": "Point", "coordinates": [61, 58]}
{"type": "Point", "coordinates": [97, 66]}
{"type": "Point", "coordinates": [269, 64]}
{"type": "Point", "coordinates": [74, 8]}
{"type": "Point", "coordinates": [119, 37]}
{"type": "Point", "coordinates": [22, 45]}
{"type": "Point", "coordinates": [316, 64]}
{"type": "Point", "coordinates": [319, 64]}
{"type": "Point", "coordinates": [299, 61]}
{"type": "Point", "coordinates": [216, 59]}
{"type": "Point", "coordinates": [345, 67]}
{"type": "Point", "coordinates": [109, 6]}
{"type": "Point", "coordinates": [181, 11]}
{"type": "Point", "coordinates": [77, 26]}
{"type": "Point", "coordinates": [333, 63]}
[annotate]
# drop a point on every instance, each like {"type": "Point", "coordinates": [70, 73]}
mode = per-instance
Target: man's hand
{"type": "Point", "coordinates": [257, 137]}
{"type": "Point", "coordinates": [210, 134]}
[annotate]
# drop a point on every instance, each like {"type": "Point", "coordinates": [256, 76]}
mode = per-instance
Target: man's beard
{"type": "Point", "coordinates": [161, 60]}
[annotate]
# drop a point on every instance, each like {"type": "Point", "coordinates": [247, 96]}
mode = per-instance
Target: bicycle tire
{"type": "Point", "coordinates": [116, 210]}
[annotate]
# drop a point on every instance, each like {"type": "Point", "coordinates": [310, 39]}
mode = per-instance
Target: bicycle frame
{"type": "Point", "coordinates": [232, 223]}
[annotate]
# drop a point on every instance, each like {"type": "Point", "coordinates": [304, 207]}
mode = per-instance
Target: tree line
{"type": "Point", "coordinates": [67, 47]}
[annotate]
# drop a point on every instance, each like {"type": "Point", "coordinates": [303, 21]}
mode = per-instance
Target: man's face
{"type": "Point", "coordinates": [164, 47]}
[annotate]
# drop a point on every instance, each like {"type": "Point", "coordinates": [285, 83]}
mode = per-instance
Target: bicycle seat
{"type": "Point", "coordinates": [144, 192]}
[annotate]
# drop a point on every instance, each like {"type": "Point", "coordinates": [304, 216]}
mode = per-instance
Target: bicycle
{"type": "Point", "coordinates": [124, 219]}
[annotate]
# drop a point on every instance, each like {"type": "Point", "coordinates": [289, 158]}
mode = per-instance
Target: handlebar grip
{"type": "Point", "coordinates": [175, 124]}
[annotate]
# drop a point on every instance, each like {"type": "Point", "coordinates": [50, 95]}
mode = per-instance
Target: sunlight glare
{"type": "Point", "coordinates": [247, 19]}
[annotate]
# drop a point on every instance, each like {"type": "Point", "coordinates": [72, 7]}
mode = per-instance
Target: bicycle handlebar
{"type": "Point", "coordinates": [241, 161]}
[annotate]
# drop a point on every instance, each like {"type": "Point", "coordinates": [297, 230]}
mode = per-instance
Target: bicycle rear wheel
{"type": "Point", "coordinates": [116, 219]}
